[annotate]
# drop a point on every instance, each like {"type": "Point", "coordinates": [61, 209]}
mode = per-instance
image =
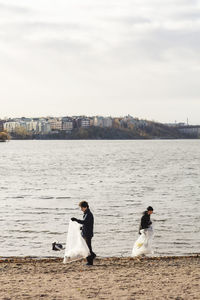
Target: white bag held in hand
{"type": "Point", "coordinates": [76, 246]}
{"type": "Point", "coordinates": [143, 245]}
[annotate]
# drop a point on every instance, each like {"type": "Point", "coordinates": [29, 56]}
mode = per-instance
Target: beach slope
{"type": "Point", "coordinates": [110, 278]}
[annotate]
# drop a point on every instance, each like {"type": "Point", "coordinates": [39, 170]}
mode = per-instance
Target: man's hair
{"type": "Point", "coordinates": [149, 208]}
{"type": "Point", "coordinates": [83, 204]}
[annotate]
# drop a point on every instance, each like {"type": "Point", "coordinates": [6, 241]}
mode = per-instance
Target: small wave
{"type": "Point", "coordinates": [132, 201]}
{"type": "Point", "coordinates": [44, 208]}
{"type": "Point", "coordinates": [46, 197]}
{"type": "Point", "coordinates": [33, 213]}
{"type": "Point", "coordinates": [55, 233]}
{"type": "Point", "coordinates": [181, 243]}
{"type": "Point", "coordinates": [67, 197]}
{"type": "Point", "coordinates": [28, 231]}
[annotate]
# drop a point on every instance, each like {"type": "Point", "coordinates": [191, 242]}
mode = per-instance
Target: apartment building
{"type": "Point", "coordinates": [193, 131]}
{"type": "Point", "coordinates": [11, 126]}
{"type": "Point", "coordinates": [102, 122]}
{"type": "Point", "coordinates": [81, 122]}
{"type": "Point", "coordinates": [67, 124]}
{"type": "Point", "coordinates": [43, 127]}
{"type": "Point", "coordinates": [1, 126]}
{"type": "Point", "coordinates": [107, 122]}
{"type": "Point", "coordinates": [85, 122]}
{"type": "Point", "coordinates": [55, 124]}
{"type": "Point", "coordinates": [32, 126]}
{"type": "Point", "coordinates": [98, 121]}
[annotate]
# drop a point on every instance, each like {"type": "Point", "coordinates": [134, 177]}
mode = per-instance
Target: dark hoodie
{"type": "Point", "coordinates": [87, 222]}
{"type": "Point", "coordinates": [145, 221]}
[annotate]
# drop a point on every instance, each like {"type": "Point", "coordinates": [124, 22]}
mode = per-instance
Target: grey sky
{"type": "Point", "coordinates": [100, 57]}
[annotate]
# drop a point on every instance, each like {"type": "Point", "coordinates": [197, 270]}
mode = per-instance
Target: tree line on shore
{"type": "Point", "coordinates": [4, 136]}
{"type": "Point", "coordinates": [151, 131]}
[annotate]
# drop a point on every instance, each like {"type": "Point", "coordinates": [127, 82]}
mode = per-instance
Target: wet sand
{"type": "Point", "coordinates": [110, 278]}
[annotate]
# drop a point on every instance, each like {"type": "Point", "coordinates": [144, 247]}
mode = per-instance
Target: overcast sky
{"type": "Point", "coordinates": [101, 57]}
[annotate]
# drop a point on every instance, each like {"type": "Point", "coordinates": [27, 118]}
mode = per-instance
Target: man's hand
{"type": "Point", "coordinates": [73, 219]}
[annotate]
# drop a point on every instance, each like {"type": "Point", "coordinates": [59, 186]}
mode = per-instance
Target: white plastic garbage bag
{"type": "Point", "coordinates": [143, 245]}
{"type": "Point", "coordinates": [76, 247]}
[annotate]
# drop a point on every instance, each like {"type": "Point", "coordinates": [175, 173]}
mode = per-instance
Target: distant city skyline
{"type": "Point", "coordinates": [99, 57]}
{"type": "Point", "coordinates": [90, 116]}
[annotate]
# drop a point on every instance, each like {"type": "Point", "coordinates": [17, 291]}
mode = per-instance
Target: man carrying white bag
{"type": "Point", "coordinates": [143, 245]}
{"type": "Point", "coordinates": [79, 239]}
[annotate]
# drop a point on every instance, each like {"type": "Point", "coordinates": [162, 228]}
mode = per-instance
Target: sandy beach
{"type": "Point", "coordinates": [110, 278]}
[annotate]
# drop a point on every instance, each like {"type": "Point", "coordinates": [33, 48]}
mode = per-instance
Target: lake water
{"type": "Point", "coordinates": [42, 182]}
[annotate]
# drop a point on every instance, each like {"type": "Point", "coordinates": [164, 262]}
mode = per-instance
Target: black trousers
{"type": "Point", "coordinates": [92, 254]}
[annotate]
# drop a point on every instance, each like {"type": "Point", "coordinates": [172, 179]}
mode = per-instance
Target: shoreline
{"type": "Point", "coordinates": [104, 139]}
{"type": "Point", "coordinates": [27, 259]}
{"type": "Point", "coordinates": [126, 278]}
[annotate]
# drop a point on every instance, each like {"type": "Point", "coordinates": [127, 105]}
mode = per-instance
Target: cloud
{"type": "Point", "coordinates": [14, 9]}
{"type": "Point", "coordinates": [99, 52]}
{"type": "Point", "coordinates": [139, 23]}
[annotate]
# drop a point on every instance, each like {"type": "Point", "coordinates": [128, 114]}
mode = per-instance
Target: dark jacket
{"type": "Point", "coordinates": [145, 221]}
{"type": "Point", "coordinates": [87, 222]}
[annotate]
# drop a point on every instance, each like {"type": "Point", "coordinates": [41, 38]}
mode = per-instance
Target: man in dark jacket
{"type": "Point", "coordinates": [87, 229]}
{"type": "Point", "coordinates": [145, 220]}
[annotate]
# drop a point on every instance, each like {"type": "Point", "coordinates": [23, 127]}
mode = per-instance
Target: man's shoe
{"type": "Point", "coordinates": [89, 264]}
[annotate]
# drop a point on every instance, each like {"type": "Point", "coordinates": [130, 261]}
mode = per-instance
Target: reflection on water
{"type": "Point", "coordinates": [41, 183]}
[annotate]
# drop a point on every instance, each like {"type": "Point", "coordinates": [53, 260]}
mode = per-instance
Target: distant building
{"type": "Point", "coordinates": [11, 126]}
{"type": "Point", "coordinates": [23, 119]}
{"type": "Point", "coordinates": [107, 122]}
{"type": "Point", "coordinates": [175, 124]}
{"type": "Point", "coordinates": [193, 131]}
{"type": "Point", "coordinates": [98, 121]}
{"type": "Point", "coordinates": [43, 127]}
{"type": "Point", "coordinates": [102, 122]}
{"type": "Point", "coordinates": [130, 121]}
{"type": "Point", "coordinates": [67, 124]}
{"type": "Point", "coordinates": [1, 126]}
{"type": "Point", "coordinates": [142, 123]}
{"type": "Point", "coordinates": [81, 122]}
{"type": "Point", "coordinates": [85, 122]}
{"type": "Point", "coordinates": [32, 126]}
{"type": "Point", "coordinates": [55, 124]}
